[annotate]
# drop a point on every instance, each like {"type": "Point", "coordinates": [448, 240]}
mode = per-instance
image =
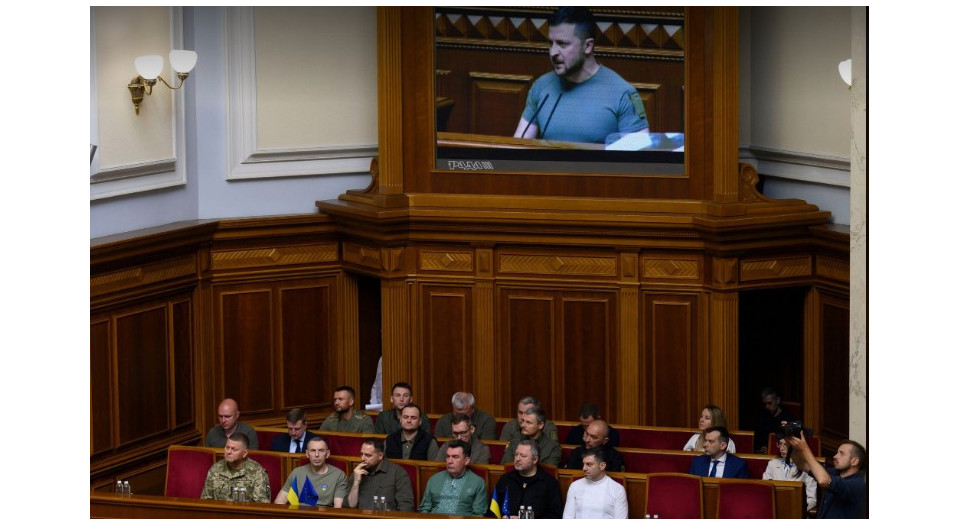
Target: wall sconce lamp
{"type": "Point", "coordinates": [149, 67]}
{"type": "Point", "coordinates": [845, 71]}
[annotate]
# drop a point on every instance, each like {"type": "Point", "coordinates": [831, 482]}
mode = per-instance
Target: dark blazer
{"type": "Point", "coordinates": [733, 468]}
{"type": "Point", "coordinates": [282, 443]}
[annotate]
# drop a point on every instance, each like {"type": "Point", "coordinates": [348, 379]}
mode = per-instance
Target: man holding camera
{"type": "Point", "coordinates": [844, 487]}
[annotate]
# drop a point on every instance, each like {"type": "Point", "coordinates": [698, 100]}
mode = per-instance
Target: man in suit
{"type": "Point", "coordinates": [297, 436]}
{"type": "Point", "coordinates": [716, 462]}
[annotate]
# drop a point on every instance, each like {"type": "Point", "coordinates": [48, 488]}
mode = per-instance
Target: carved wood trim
{"type": "Point", "coordinates": [672, 268]}
{"type": "Point", "coordinates": [777, 268]}
{"type": "Point", "coordinates": [445, 261]}
{"type": "Point", "coordinates": [280, 256]}
{"type": "Point", "coordinates": [724, 356]}
{"type": "Point", "coordinates": [142, 275]}
{"type": "Point", "coordinates": [366, 256]}
{"type": "Point", "coordinates": [832, 268]}
{"type": "Point", "coordinates": [629, 406]}
{"type": "Point", "coordinates": [558, 265]}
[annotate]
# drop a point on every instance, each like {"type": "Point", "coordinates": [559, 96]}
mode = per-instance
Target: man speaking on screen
{"type": "Point", "coordinates": [581, 100]}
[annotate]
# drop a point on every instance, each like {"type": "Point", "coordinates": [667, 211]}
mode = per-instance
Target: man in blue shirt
{"type": "Point", "coordinates": [844, 488]}
{"type": "Point", "coordinates": [581, 100]}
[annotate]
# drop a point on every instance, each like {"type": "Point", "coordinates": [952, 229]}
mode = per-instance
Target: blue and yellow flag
{"type": "Point", "coordinates": [495, 504]}
{"type": "Point", "coordinates": [292, 493]}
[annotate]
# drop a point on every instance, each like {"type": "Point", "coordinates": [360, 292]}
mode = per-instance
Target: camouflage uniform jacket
{"type": "Point", "coordinates": [221, 479]}
{"type": "Point", "coordinates": [360, 423]}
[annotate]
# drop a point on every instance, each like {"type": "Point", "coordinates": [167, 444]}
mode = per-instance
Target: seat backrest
{"type": "Point", "coordinates": [496, 451]}
{"type": "Point", "coordinates": [265, 436]}
{"type": "Point", "coordinates": [413, 472]}
{"type": "Point", "coordinates": [674, 496]}
{"type": "Point", "coordinates": [187, 469]}
{"type": "Point", "coordinates": [272, 462]}
{"type": "Point", "coordinates": [745, 499]}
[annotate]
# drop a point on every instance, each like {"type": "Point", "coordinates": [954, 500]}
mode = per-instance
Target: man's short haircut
{"type": "Point", "coordinates": [604, 425]}
{"type": "Point", "coordinates": [530, 400]}
{"type": "Point", "coordinates": [596, 452]}
{"type": "Point", "coordinates": [462, 400]}
{"type": "Point", "coordinates": [534, 449]}
{"type": "Point", "coordinates": [401, 384]}
{"type": "Point", "coordinates": [541, 415]}
{"type": "Point", "coordinates": [239, 437]}
{"type": "Point", "coordinates": [348, 389]}
{"type": "Point", "coordinates": [319, 438]}
{"type": "Point", "coordinates": [768, 391]}
{"type": "Point", "coordinates": [296, 414]}
{"type": "Point", "coordinates": [724, 433]}
{"type": "Point", "coordinates": [461, 418]}
{"type": "Point", "coordinates": [589, 410]}
{"type": "Point", "coordinates": [461, 445]}
{"type": "Point", "coordinates": [581, 17]}
{"type": "Point", "coordinates": [377, 444]}
{"type": "Point", "coordinates": [858, 451]}
{"type": "Point", "coordinates": [413, 405]}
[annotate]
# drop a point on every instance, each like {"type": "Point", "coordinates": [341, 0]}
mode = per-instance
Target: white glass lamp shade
{"type": "Point", "coordinates": [845, 73]}
{"type": "Point", "coordinates": [183, 60]}
{"type": "Point", "coordinates": [149, 66]}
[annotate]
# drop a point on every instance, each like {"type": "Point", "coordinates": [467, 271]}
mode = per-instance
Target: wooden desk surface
{"type": "Point", "coordinates": [106, 505]}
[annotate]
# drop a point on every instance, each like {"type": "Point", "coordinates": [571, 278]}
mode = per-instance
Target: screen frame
{"type": "Point", "coordinates": [406, 166]}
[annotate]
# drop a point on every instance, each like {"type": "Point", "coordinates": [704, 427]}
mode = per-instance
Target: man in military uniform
{"type": "Point", "coordinates": [345, 418]}
{"type": "Point", "coordinates": [531, 427]}
{"type": "Point", "coordinates": [235, 470]}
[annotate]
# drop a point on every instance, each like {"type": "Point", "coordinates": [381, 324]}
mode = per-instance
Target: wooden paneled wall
{"type": "Point", "coordinates": [267, 311]}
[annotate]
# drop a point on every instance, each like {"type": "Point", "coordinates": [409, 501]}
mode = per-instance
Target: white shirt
{"type": "Point", "coordinates": [604, 499]}
{"type": "Point", "coordinates": [777, 469]}
{"type": "Point", "coordinates": [722, 461]}
{"type": "Point", "coordinates": [692, 444]}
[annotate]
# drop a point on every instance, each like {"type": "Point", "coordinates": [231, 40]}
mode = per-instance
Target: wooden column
{"type": "Point", "coordinates": [723, 356]}
{"type": "Point", "coordinates": [629, 405]}
{"type": "Point", "coordinates": [484, 357]}
{"type": "Point", "coordinates": [396, 321]}
{"type": "Point", "coordinates": [349, 339]}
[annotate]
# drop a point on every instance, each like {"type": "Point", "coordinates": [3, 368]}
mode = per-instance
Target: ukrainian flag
{"type": "Point", "coordinates": [292, 497]}
{"type": "Point", "coordinates": [495, 504]}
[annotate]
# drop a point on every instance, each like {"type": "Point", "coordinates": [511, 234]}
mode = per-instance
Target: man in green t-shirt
{"type": "Point", "coordinates": [315, 483]}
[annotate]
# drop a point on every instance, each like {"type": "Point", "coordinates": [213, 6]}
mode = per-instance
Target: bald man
{"type": "Point", "coordinates": [597, 435]}
{"type": "Point", "coordinates": [228, 414]}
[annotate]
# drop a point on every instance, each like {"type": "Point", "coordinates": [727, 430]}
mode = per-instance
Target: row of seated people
{"type": "Point", "coordinates": [346, 419]}
{"type": "Point", "coordinates": [459, 487]}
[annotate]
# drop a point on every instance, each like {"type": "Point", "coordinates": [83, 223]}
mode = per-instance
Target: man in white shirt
{"type": "Point", "coordinates": [595, 495]}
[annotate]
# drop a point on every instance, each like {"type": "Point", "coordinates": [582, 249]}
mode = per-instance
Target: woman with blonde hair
{"type": "Point", "coordinates": [711, 416]}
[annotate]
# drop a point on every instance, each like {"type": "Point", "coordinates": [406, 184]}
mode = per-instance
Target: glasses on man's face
{"type": "Point", "coordinates": [460, 434]}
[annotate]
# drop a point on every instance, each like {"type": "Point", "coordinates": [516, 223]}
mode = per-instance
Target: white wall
{"type": "Point", "coordinates": [795, 110]}
{"type": "Point", "coordinates": [212, 155]}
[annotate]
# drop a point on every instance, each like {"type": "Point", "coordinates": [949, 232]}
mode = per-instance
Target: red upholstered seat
{"type": "Point", "coordinates": [413, 473]}
{"type": "Point", "coordinates": [187, 470]}
{"type": "Point", "coordinates": [265, 436]}
{"type": "Point", "coordinates": [745, 499]}
{"type": "Point", "coordinates": [273, 463]}
{"type": "Point", "coordinates": [674, 496]}
{"type": "Point", "coordinates": [496, 451]}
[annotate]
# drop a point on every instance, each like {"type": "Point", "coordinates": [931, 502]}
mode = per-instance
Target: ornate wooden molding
{"type": "Point", "coordinates": [558, 265]}
{"type": "Point", "coordinates": [281, 256]}
{"type": "Point", "coordinates": [362, 255]}
{"type": "Point", "coordinates": [757, 269]}
{"type": "Point", "coordinates": [446, 261]}
{"type": "Point", "coordinates": [147, 274]}
{"type": "Point", "coordinates": [671, 268]}
{"type": "Point", "coordinates": [724, 271]}
{"type": "Point", "coordinates": [832, 268]}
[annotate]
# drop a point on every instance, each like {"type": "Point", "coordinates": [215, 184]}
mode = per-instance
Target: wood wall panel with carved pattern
{"type": "Point", "coordinates": [834, 342]}
{"type": "Point", "coordinates": [671, 358]}
{"type": "Point", "coordinates": [446, 342]}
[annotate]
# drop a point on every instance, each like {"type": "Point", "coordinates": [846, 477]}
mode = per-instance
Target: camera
{"type": "Point", "coordinates": [793, 428]}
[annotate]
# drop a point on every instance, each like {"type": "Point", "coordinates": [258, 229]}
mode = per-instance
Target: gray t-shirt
{"type": "Point", "coordinates": [329, 485]}
{"type": "Point", "coordinates": [586, 112]}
